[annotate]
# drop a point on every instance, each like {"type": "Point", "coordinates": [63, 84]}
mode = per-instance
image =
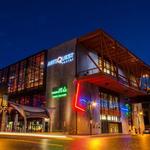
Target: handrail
{"type": "Point", "coordinates": [119, 77]}
{"type": "Point", "coordinates": [88, 71]}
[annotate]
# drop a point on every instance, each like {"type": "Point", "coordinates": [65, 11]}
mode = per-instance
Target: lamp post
{"type": "Point", "coordinates": [3, 110]}
{"type": "Point", "coordinates": [91, 106]}
{"type": "Point", "coordinates": [139, 122]}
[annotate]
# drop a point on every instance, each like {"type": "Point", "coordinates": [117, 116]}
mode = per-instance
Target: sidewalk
{"type": "Point", "coordinates": [100, 135]}
{"type": "Point", "coordinates": [60, 135]}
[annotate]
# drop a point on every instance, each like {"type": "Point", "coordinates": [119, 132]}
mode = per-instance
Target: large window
{"type": "Point", "coordinates": [109, 107]}
{"type": "Point", "coordinates": [13, 77]}
{"type": "Point", "coordinates": [35, 100]}
{"type": "Point", "coordinates": [22, 73]}
{"type": "Point", "coordinates": [35, 71]}
{"type": "Point", "coordinates": [107, 67]}
{"type": "Point", "coordinates": [28, 73]}
{"type": "Point", "coordinates": [3, 76]}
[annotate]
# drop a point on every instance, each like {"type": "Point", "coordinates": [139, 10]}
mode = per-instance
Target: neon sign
{"type": "Point", "coordinates": [62, 59]}
{"type": "Point", "coordinates": [59, 92]}
{"type": "Point", "coordinates": [76, 105]}
{"type": "Point", "coordinates": [126, 109]}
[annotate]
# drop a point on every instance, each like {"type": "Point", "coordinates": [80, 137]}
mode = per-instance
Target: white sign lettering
{"type": "Point", "coordinates": [62, 59]}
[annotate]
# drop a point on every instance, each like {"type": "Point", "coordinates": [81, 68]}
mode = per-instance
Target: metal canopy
{"type": "Point", "coordinates": [31, 112]}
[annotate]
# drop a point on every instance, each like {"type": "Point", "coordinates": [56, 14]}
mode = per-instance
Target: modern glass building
{"type": "Point", "coordinates": [87, 85]}
{"type": "Point", "coordinates": [24, 85]}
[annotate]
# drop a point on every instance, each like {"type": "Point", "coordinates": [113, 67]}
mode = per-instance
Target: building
{"type": "Point", "coordinates": [84, 86]}
{"type": "Point", "coordinates": [24, 84]}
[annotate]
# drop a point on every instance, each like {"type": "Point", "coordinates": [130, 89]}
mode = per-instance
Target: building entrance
{"type": "Point", "coordinates": [35, 125]}
{"type": "Point", "coordinates": [113, 128]}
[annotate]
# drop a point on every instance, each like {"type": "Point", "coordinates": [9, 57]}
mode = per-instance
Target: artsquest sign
{"type": "Point", "coordinates": [59, 92]}
{"type": "Point", "coordinates": [62, 59]}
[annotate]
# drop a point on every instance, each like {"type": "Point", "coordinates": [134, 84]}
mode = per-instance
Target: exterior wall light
{"type": "Point", "coordinates": [140, 113]}
{"type": "Point", "coordinates": [94, 104]}
{"type": "Point", "coordinates": [46, 119]}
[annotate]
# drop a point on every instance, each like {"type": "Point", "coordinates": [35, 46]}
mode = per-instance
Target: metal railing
{"type": "Point", "coordinates": [122, 79]}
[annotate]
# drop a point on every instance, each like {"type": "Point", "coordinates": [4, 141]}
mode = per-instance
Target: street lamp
{"type": "Point", "coordinates": [3, 110]}
{"type": "Point", "coordinates": [94, 104]}
{"type": "Point", "coordinates": [91, 105]}
{"type": "Point", "coordinates": [139, 122]}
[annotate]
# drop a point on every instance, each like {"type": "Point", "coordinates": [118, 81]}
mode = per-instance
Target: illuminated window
{"type": "Point", "coordinates": [103, 117]}
{"type": "Point", "coordinates": [3, 75]}
{"type": "Point", "coordinates": [36, 100]}
{"type": "Point", "coordinates": [107, 67]}
{"type": "Point", "coordinates": [109, 118]}
{"type": "Point", "coordinates": [104, 101]}
{"type": "Point", "coordinates": [28, 73]}
{"type": "Point", "coordinates": [109, 107]}
{"type": "Point", "coordinates": [133, 81]}
{"type": "Point", "coordinates": [13, 78]}
{"type": "Point", "coordinates": [21, 81]}
{"type": "Point", "coordinates": [35, 71]}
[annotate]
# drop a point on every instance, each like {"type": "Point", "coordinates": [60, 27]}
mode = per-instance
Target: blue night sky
{"type": "Point", "coordinates": [28, 26]}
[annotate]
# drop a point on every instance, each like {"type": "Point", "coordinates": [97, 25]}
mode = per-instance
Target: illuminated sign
{"type": "Point", "coordinates": [62, 59]}
{"type": "Point", "coordinates": [126, 109]}
{"type": "Point", "coordinates": [59, 92]}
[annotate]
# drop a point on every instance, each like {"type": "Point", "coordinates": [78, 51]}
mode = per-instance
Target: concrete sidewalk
{"type": "Point", "coordinates": [61, 135]}
{"type": "Point", "coordinates": [99, 135]}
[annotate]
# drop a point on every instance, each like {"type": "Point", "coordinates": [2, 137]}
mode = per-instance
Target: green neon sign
{"type": "Point", "coordinates": [59, 92]}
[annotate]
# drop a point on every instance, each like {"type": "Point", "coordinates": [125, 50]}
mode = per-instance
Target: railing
{"type": "Point", "coordinates": [119, 77]}
{"type": "Point", "coordinates": [89, 72]}
{"type": "Point", "coordinates": [127, 81]}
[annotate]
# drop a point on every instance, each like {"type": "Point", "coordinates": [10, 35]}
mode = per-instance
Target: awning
{"type": "Point", "coordinates": [31, 112]}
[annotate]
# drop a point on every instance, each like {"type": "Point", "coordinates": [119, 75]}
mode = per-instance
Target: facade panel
{"type": "Point", "coordinates": [61, 72]}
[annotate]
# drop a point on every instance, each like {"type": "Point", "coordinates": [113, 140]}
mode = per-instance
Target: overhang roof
{"type": "Point", "coordinates": [109, 82]}
{"type": "Point", "coordinates": [105, 45]}
{"type": "Point", "coordinates": [31, 112]}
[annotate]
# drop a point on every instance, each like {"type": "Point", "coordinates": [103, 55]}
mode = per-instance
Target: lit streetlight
{"type": "Point", "coordinates": [91, 105]}
{"type": "Point", "coordinates": [139, 122]}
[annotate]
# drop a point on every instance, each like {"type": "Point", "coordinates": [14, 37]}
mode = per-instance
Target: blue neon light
{"type": "Point", "coordinates": [62, 59]}
{"type": "Point", "coordinates": [83, 101]}
{"type": "Point", "coordinates": [125, 109]}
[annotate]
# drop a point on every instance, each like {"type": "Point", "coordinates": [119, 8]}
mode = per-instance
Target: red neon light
{"type": "Point", "coordinates": [77, 97]}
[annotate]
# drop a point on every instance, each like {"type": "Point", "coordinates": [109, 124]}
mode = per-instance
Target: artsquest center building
{"type": "Point", "coordinates": [88, 85]}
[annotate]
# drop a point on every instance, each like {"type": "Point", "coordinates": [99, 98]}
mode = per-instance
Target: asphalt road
{"type": "Point", "coordinates": [86, 143]}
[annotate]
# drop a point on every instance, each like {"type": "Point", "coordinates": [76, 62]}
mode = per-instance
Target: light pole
{"type": "Point", "coordinates": [3, 110]}
{"type": "Point", "coordinates": [91, 105]}
{"type": "Point", "coordinates": [139, 122]}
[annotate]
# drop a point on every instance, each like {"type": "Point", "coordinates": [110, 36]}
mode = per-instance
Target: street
{"type": "Point", "coordinates": [76, 143]}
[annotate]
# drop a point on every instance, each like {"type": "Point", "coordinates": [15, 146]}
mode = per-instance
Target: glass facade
{"type": "Point", "coordinates": [35, 71]}
{"type": "Point", "coordinates": [27, 74]}
{"type": "Point", "coordinates": [22, 74]}
{"type": "Point", "coordinates": [107, 67]}
{"type": "Point", "coordinates": [13, 78]}
{"type": "Point", "coordinates": [35, 100]}
{"type": "Point", "coordinates": [109, 107]}
{"type": "Point", "coordinates": [24, 79]}
{"type": "Point", "coordinates": [3, 76]}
